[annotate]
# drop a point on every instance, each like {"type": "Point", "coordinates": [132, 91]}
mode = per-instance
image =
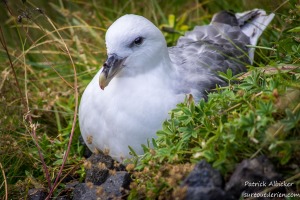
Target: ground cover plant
{"type": "Point", "coordinates": [50, 51]}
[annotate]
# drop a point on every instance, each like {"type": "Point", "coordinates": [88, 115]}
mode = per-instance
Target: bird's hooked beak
{"type": "Point", "coordinates": [111, 67]}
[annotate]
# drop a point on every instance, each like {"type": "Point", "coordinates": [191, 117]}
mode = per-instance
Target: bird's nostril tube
{"type": "Point", "coordinates": [106, 65]}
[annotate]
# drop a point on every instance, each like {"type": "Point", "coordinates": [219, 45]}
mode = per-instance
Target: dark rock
{"type": "Point", "coordinates": [206, 193]}
{"type": "Point", "coordinates": [96, 176]}
{"type": "Point", "coordinates": [65, 197]}
{"type": "Point", "coordinates": [100, 166]}
{"type": "Point", "coordinates": [113, 187]}
{"type": "Point", "coordinates": [83, 191]}
{"type": "Point", "coordinates": [102, 158]}
{"type": "Point", "coordinates": [37, 194]}
{"type": "Point", "coordinates": [253, 176]}
{"type": "Point", "coordinates": [72, 184]}
{"type": "Point", "coordinates": [99, 170]}
{"type": "Point", "coordinates": [87, 152]}
{"type": "Point", "coordinates": [99, 183]}
{"type": "Point", "coordinates": [204, 175]}
{"type": "Point", "coordinates": [66, 192]}
{"type": "Point", "coordinates": [67, 179]}
{"type": "Point", "coordinates": [204, 182]}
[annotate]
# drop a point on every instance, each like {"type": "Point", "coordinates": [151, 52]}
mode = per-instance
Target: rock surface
{"type": "Point", "coordinates": [204, 182]}
{"type": "Point", "coordinates": [116, 185]}
{"type": "Point", "coordinates": [252, 176]}
{"type": "Point", "coordinates": [83, 191]}
{"type": "Point", "coordinates": [113, 187]}
{"type": "Point", "coordinates": [37, 194]}
{"type": "Point", "coordinates": [99, 169]}
{"type": "Point", "coordinates": [105, 179]}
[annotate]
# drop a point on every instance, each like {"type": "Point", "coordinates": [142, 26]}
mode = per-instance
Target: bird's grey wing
{"type": "Point", "coordinates": [201, 53]}
{"type": "Point", "coordinates": [222, 45]}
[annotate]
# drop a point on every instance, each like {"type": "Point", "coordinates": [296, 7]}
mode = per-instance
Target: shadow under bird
{"type": "Point", "coordinates": [142, 79]}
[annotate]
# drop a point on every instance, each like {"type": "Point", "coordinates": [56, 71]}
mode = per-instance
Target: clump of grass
{"type": "Point", "coordinates": [165, 181]}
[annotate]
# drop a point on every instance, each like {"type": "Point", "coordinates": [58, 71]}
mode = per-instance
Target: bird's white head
{"type": "Point", "coordinates": [134, 45]}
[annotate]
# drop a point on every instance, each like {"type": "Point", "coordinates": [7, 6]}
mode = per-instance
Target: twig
{"type": "Point", "coordinates": [33, 133]}
{"type": "Point", "coordinates": [5, 182]}
{"type": "Point", "coordinates": [72, 170]}
{"type": "Point", "coordinates": [75, 113]}
{"type": "Point", "coordinates": [281, 5]}
{"type": "Point", "coordinates": [3, 43]}
{"type": "Point", "coordinates": [5, 3]}
{"type": "Point", "coordinates": [271, 70]}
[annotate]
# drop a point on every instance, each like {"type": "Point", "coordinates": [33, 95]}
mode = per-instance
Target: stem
{"type": "Point", "coordinates": [75, 112]}
{"type": "Point", "coordinates": [5, 182]}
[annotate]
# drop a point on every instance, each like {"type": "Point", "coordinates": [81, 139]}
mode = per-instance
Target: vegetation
{"type": "Point", "coordinates": [51, 50]}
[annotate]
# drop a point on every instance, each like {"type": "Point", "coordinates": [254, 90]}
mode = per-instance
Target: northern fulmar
{"type": "Point", "coordinates": [143, 79]}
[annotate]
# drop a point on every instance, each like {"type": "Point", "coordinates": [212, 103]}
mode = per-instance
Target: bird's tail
{"type": "Point", "coordinates": [252, 24]}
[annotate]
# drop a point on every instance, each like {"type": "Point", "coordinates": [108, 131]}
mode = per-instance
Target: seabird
{"type": "Point", "coordinates": [142, 79]}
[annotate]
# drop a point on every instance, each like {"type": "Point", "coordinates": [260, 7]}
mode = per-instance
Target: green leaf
{"type": "Point", "coordinates": [58, 162]}
{"type": "Point", "coordinates": [291, 120]}
{"type": "Point", "coordinates": [221, 159]}
{"type": "Point", "coordinates": [209, 155]}
{"type": "Point", "coordinates": [154, 143]}
{"type": "Point", "coordinates": [145, 148]}
{"type": "Point", "coordinates": [296, 29]}
{"type": "Point", "coordinates": [132, 151]}
{"type": "Point", "coordinates": [171, 20]}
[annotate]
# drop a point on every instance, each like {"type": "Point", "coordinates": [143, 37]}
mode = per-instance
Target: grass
{"type": "Point", "coordinates": [54, 52]}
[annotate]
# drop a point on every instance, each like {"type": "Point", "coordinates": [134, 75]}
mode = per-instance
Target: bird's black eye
{"type": "Point", "coordinates": [138, 41]}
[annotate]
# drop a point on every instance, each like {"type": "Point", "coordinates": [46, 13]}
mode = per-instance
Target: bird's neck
{"type": "Point", "coordinates": [154, 74]}
{"type": "Point", "coordinates": [163, 70]}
